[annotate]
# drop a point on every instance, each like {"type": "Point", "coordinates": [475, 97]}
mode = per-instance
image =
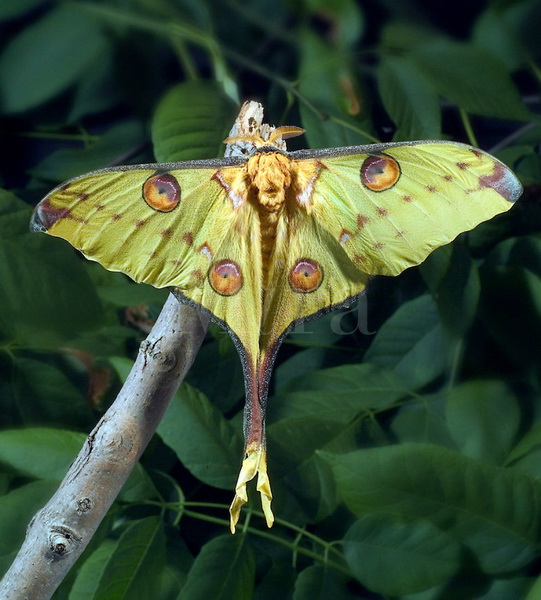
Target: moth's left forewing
{"type": "Point", "coordinates": [168, 225]}
{"type": "Point", "coordinates": [390, 205]}
{"type": "Point", "coordinates": [146, 222]}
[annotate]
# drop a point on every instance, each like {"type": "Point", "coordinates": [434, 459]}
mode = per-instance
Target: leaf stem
{"type": "Point", "coordinates": [269, 536]}
{"type": "Point", "coordinates": [196, 36]}
{"type": "Point", "coordinates": [295, 547]}
{"type": "Point", "coordinates": [352, 127]}
{"type": "Point", "coordinates": [456, 361]}
{"type": "Point", "coordinates": [468, 128]}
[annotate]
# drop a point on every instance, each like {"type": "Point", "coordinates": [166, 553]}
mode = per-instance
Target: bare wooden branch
{"type": "Point", "coordinates": [60, 531]}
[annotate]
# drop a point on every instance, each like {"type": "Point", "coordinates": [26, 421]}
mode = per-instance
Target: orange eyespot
{"type": "Point", "coordinates": [225, 277]}
{"type": "Point", "coordinates": [379, 173]}
{"type": "Point", "coordinates": [305, 276]}
{"type": "Point", "coordinates": [162, 192]}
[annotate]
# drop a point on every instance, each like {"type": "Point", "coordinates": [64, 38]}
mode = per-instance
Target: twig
{"type": "Point", "coordinates": [60, 531]}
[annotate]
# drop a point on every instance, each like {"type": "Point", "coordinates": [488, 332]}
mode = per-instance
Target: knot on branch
{"type": "Point", "coordinates": [84, 505]}
{"type": "Point", "coordinates": [62, 540]}
{"type": "Point", "coordinates": [154, 352]}
{"type": "Point", "coordinates": [118, 447]}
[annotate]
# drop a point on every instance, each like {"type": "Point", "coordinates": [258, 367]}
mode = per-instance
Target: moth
{"type": "Point", "coordinates": [270, 238]}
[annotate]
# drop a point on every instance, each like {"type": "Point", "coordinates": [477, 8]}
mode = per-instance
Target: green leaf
{"type": "Point", "coordinates": [435, 593]}
{"type": "Point", "coordinates": [48, 56]}
{"type": "Point", "coordinates": [495, 32]}
{"type": "Point", "coordinates": [218, 374]}
{"type": "Point", "coordinates": [16, 510]}
{"type": "Point", "coordinates": [530, 441]}
{"type": "Point", "coordinates": [514, 587]}
{"type": "Point", "coordinates": [121, 291]}
{"type": "Point", "coordinates": [277, 583]}
{"type": "Point", "coordinates": [324, 78]}
{"type": "Point", "coordinates": [393, 556]}
{"type": "Point", "coordinates": [10, 10]}
{"type": "Point", "coordinates": [319, 583]}
{"type": "Point", "coordinates": [14, 216]}
{"type": "Point", "coordinates": [325, 414]}
{"type": "Point", "coordinates": [401, 36]}
{"type": "Point", "coordinates": [138, 487]}
{"type": "Point", "coordinates": [40, 452]}
{"type": "Point", "coordinates": [90, 572]}
{"type": "Point", "coordinates": [412, 343]}
{"type": "Point", "coordinates": [224, 569]}
{"type": "Point", "coordinates": [175, 572]}
{"type": "Point", "coordinates": [523, 251]}
{"type": "Point", "coordinates": [422, 422]}
{"type": "Point", "coordinates": [535, 591]}
{"type": "Point", "coordinates": [472, 78]}
{"type": "Point", "coordinates": [122, 366]}
{"type": "Point", "coordinates": [319, 337]}
{"type": "Point", "coordinates": [49, 396]}
{"type": "Point", "coordinates": [340, 393]}
{"type": "Point", "coordinates": [453, 280]}
{"type": "Point", "coordinates": [483, 418]}
{"type": "Point", "coordinates": [38, 266]}
{"type": "Point", "coordinates": [530, 463]}
{"type": "Point", "coordinates": [203, 440]}
{"type": "Point", "coordinates": [344, 16]}
{"type": "Point", "coordinates": [191, 122]}
{"type": "Point", "coordinates": [409, 99]}
{"type": "Point", "coordinates": [293, 444]}
{"type": "Point", "coordinates": [515, 319]}
{"type": "Point", "coordinates": [88, 98]}
{"type": "Point", "coordinates": [118, 141]}
{"type": "Point", "coordinates": [493, 511]}
{"type": "Point", "coordinates": [133, 568]}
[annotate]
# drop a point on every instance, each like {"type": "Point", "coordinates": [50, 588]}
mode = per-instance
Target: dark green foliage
{"type": "Point", "coordinates": [404, 433]}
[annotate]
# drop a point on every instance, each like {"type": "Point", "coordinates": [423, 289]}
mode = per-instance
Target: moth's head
{"type": "Point", "coordinates": [249, 144]}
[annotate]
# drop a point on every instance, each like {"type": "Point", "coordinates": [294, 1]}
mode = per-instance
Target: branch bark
{"type": "Point", "coordinates": [61, 530]}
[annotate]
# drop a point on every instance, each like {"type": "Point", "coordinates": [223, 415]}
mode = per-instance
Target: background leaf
{"type": "Point", "coordinates": [483, 418]}
{"type": "Point", "coordinates": [449, 489]}
{"type": "Point", "coordinates": [29, 76]}
{"type": "Point", "coordinates": [411, 343]}
{"type": "Point", "coordinates": [317, 582]}
{"type": "Point", "coordinates": [191, 122]}
{"type": "Point", "coordinates": [472, 78]}
{"type": "Point", "coordinates": [202, 439]}
{"type": "Point", "coordinates": [396, 557]}
{"type": "Point", "coordinates": [133, 567]}
{"type": "Point", "coordinates": [409, 99]}
{"type": "Point", "coordinates": [230, 556]}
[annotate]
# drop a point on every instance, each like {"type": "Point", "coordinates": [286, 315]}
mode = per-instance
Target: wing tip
{"type": "Point", "coordinates": [37, 221]}
{"type": "Point", "coordinates": [45, 215]}
{"type": "Point", "coordinates": [503, 181]}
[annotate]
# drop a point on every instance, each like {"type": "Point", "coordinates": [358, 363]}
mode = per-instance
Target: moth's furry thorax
{"type": "Point", "coordinates": [269, 174]}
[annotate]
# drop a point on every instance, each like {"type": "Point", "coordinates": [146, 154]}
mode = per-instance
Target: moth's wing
{"type": "Point", "coordinates": [390, 205]}
{"type": "Point", "coordinates": [375, 210]}
{"type": "Point", "coordinates": [169, 226]}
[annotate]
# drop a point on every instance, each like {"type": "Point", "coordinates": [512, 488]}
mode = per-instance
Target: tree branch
{"type": "Point", "coordinates": [61, 530]}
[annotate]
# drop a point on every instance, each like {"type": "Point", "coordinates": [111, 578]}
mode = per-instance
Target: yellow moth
{"type": "Point", "coordinates": [267, 239]}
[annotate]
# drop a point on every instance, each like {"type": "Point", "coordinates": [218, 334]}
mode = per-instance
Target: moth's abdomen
{"type": "Point", "coordinates": [270, 178]}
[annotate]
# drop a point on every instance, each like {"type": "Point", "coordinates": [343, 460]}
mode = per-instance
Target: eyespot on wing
{"type": "Point", "coordinates": [162, 192]}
